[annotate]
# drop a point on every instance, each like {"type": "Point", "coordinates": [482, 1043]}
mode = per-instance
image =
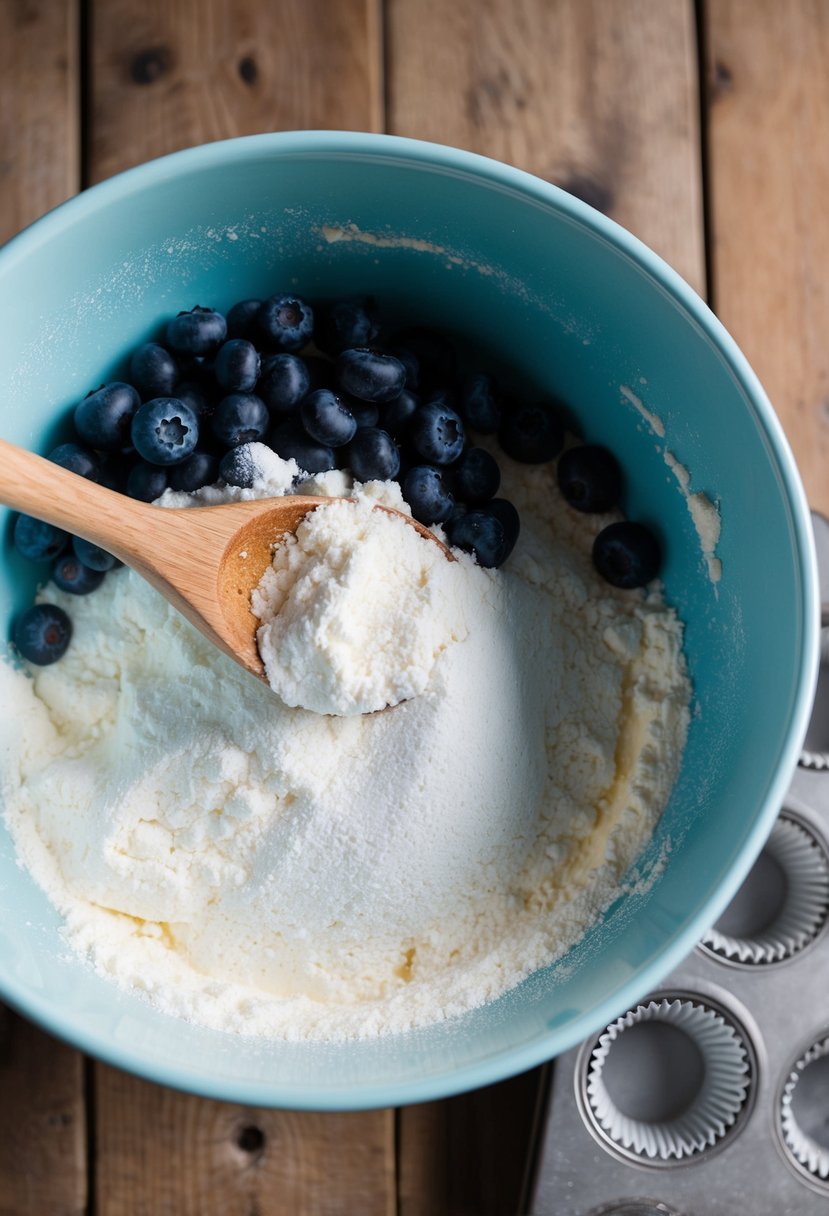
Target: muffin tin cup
{"type": "Point", "coordinates": [810, 1155]}
{"type": "Point", "coordinates": [721, 1096]}
{"type": "Point", "coordinates": [804, 866]}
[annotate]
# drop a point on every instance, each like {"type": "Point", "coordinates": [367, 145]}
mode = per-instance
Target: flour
{"type": "Point", "coordinates": [266, 870]}
{"type": "Point", "coordinates": [705, 515]}
{"type": "Point", "coordinates": [356, 607]}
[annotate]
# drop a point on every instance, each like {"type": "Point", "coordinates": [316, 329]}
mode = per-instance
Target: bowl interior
{"type": "Point", "coordinates": [577, 308]}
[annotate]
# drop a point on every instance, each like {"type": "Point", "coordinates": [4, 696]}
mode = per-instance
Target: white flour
{"type": "Point", "coordinates": [356, 608]}
{"type": "Point", "coordinates": [266, 870]}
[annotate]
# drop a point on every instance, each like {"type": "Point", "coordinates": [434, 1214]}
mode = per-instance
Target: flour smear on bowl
{"type": "Point", "coordinates": [268, 870]}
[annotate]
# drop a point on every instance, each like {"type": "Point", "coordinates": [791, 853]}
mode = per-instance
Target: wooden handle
{"type": "Point", "coordinates": [38, 487]}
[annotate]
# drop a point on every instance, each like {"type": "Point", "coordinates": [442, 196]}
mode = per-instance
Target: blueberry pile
{"type": "Point", "coordinates": [386, 407]}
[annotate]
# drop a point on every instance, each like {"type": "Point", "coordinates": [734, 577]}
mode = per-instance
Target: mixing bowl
{"type": "Point", "coordinates": [543, 283]}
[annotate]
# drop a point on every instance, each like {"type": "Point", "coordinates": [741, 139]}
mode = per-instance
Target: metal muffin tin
{"type": "Point", "coordinates": [712, 1095]}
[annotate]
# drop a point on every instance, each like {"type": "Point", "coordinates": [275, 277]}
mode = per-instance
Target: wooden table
{"type": "Point", "coordinates": [702, 127]}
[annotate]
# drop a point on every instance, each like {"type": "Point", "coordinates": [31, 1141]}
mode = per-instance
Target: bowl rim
{"type": "Point", "coordinates": [487, 171]}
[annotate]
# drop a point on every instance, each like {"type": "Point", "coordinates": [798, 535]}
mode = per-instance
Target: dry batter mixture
{"type": "Point", "coordinates": [269, 870]}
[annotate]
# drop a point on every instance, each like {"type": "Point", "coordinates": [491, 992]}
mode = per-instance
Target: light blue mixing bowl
{"type": "Point", "coordinates": [541, 281]}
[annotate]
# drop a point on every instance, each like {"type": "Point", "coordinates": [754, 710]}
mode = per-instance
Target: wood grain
{"type": "Point", "coordinates": [768, 96]}
{"type": "Point", "coordinates": [601, 97]}
{"type": "Point", "coordinates": [42, 1123]}
{"type": "Point", "coordinates": [165, 75]}
{"type": "Point", "coordinates": [468, 1156]}
{"type": "Point", "coordinates": [42, 1109]}
{"type": "Point", "coordinates": [39, 116]}
{"type": "Point", "coordinates": [598, 96]}
{"type": "Point", "coordinates": [162, 1153]}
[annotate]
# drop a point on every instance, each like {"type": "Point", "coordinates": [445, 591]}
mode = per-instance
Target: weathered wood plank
{"type": "Point", "coordinates": [164, 76]}
{"type": "Point", "coordinates": [39, 117]}
{"type": "Point", "coordinates": [42, 1110]}
{"type": "Point", "coordinates": [598, 96]}
{"type": "Point", "coordinates": [467, 1156]}
{"type": "Point", "coordinates": [601, 97]}
{"type": "Point", "coordinates": [42, 1123]}
{"type": "Point", "coordinates": [162, 1153]}
{"type": "Point", "coordinates": [168, 75]}
{"type": "Point", "coordinates": [768, 92]}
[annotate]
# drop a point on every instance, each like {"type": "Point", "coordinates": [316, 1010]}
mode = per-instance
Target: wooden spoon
{"type": "Point", "coordinates": [205, 560]}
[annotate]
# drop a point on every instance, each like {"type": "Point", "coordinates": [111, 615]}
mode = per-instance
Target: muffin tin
{"type": "Point", "coordinates": [712, 1095]}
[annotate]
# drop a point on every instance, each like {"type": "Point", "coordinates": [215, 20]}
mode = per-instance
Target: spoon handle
{"type": "Point", "coordinates": [38, 487]}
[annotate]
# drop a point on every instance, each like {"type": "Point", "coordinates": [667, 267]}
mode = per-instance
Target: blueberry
{"type": "Point", "coordinates": [411, 365]}
{"type": "Point", "coordinates": [42, 634]}
{"type": "Point", "coordinates": [627, 554]}
{"type": "Point", "coordinates": [70, 574]}
{"type": "Point", "coordinates": [283, 382]}
{"type": "Point", "coordinates": [38, 541]}
{"type": "Point", "coordinates": [77, 459]}
{"type": "Point", "coordinates": [285, 323]}
{"type": "Point", "coordinates": [510, 520]}
{"type": "Point", "coordinates": [203, 401]}
{"type": "Point", "coordinates": [480, 405]}
{"type": "Point", "coordinates": [146, 482]}
{"type": "Point", "coordinates": [238, 467]}
{"type": "Point", "coordinates": [350, 323]}
{"type": "Point", "coordinates": [373, 455]}
{"type": "Point", "coordinates": [241, 320]}
{"type": "Point", "coordinates": [290, 441]}
{"type": "Point", "coordinates": [370, 375]}
{"type": "Point", "coordinates": [458, 511]}
{"type": "Point", "coordinates": [103, 418]}
{"type": "Point", "coordinates": [199, 469]}
{"type": "Point", "coordinates": [488, 532]}
{"type": "Point", "coordinates": [93, 556]}
{"type": "Point", "coordinates": [436, 433]}
{"type": "Point", "coordinates": [476, 476]}
{"type": "Point", "coordinates": [240, 418]}
{"type": "Point", "coordinates": [115, 469]}
{"type": "Point", "coordinates": [153, 371]}
{"type": "Point", "coordinates": [425, 490]}
{"type": "Point", "coordinates": [196, 396]}
{"type": "Point", "coordinates": [366, 413]}
{"type": "Point", "coordinates": [590, 478]}
{"type": "Point", "coordinates": [532, 433]}
{"type": "Point", "coordinates": [165, 431]}
{"type": "Point", "coordinates": [197, 332]}
{"type": "Point", "coordinates": [398, 414]}
{"type": "Point", "coordinates": [442, 395]}
{"type": "Point", "coordinates": [236, 366]}
{"type": "Point", "coordinates": [434, 353]}
{"type": "Point", "coordinates": [327, 419]}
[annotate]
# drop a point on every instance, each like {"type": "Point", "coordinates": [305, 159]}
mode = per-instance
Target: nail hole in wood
{"type": "Point", "coordinates": [722, 80]}
{"type": "Point", "coordinates": [251, 1139]}
{"type": "Point", "coordinates": [149, 65]}
{"type": "Point", "coordinates": [248, 69]}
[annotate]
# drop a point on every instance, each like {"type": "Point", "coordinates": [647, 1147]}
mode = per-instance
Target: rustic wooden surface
{"type": "Point", "coordinates": [161, 1153]}
{"type": "Point", "coordinates": [600, 96]}
{"type": "Point", "coordinates": [43, 1124]}
{"type": "Point", "coordinates": [768, 91]}
{"type": "Point", "coordinates": [40, 161]}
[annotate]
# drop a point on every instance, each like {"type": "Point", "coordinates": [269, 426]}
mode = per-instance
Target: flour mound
{"type": "Point", "coordinates": [355, 609]}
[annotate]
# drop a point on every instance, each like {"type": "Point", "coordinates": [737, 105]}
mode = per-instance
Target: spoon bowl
{"type": "Point", "coordinates": [205, 561]}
